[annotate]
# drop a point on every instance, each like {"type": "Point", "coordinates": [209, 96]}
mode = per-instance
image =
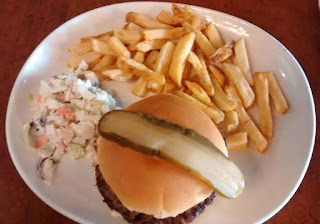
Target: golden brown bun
{"type": "Point", "coordinates": [151, 185]}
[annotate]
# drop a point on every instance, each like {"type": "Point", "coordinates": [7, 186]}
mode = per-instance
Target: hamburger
{"type": "Point", "coordinates": [147, 188]}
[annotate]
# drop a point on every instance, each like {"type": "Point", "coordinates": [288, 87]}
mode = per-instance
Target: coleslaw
{"type": "Point", "coordinates": [66, 113]}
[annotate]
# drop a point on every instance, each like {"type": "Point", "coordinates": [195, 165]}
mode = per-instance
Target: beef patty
{"type": "Point", "coordinates": [140, 218]}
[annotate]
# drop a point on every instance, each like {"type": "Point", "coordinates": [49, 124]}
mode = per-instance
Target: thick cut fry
{"type": "Point", "coordinates": [186, 71]}
{"type": "Point", "coordinates": [80, 49]}
{"type": "Point", "coordinates": [164, 58]}
{"type": "Point", "coordinates": [154, 87]}
{"type": "Point", "coordinates": [168, 87]}
{"type": "Point", "coordinates": [102, 47]}
{"type": "Point", "coordinates": [188, 16]}
{"type": "Point", "coordinates": [131, 66]}
{"type": "Point", "coordinates": [213, 35]}
{"type": "Point", "coordinates": [223, 53]}
{"type": "Point", "coordinates": [101, 35]}
{"type": "Point", "coordinates": [151, 59]}
{"type": "Point", "coordinates": [168, 34]}
{"type": "Point", "coordinates": [246, 122]}
{"type": "Point", "coordinates": [255, 135]}
{"type": "Point", "coordinates": [139, 57]}
{"type": "Point", "coordinates": [145, 21]}
{"type": "Point", "coordinates": [237, 141]}
{"type": "Point", "coordinates": [148, 45]}
{"type": "Point", "coordinates": [180, 55]}
{"type": "Point", "coordinates": [213, 112]}
{"type": "Point", "coordinates": [128, 36]}
{"type": "Point", "coordinates": [231, 121]}
{"type": "Point", "coordinates": [89, 58]}
{"type": "Point", "coordinates": [168, 18]}
{"type": "Point", "coordinates": [204, 44]}
{"type": "Point", "coordinates": [201, 40]}
{"type": "Point", "coordinates": [105, 61]}
{"type": "Point", "coordinates": [217, 74]}
{"type": "Point", "coordinates": [199, 93]}
{"type": "Point", "coordinates": [132, 26]}
{"type": "Point", "coordinates": [242, 113]}
{"type": "Point", "coordinates": [276, 94]}
{"type": "Point", "coordinates": [204, 78]}
{"type": "Point", "coordinates": [194, 60]}
{"type": "Point", "coordinates": [236, 77]}
{"type": "Point", "coordinates": [222, 100]}
{"type": "Point", "coordinates": [262, 93]}
{"type": "Point", "coordinates": [118, 47]}
{"type": "Point", "coordinates": [140, 87]}
{"type": "Point", "coordinates": [117, 75]}
{"type": "Point", "coordinates": [241, 59]}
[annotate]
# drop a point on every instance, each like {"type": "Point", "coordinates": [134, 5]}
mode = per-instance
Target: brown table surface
{"type": "Point", "coordinates": [24, 24]}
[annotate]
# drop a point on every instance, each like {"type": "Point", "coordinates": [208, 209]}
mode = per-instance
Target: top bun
{"type": "Point", "coordinates": [151, 185]}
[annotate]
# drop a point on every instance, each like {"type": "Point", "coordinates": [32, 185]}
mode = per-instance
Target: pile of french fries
{"type": "Point", "coordinates": [181, 53]}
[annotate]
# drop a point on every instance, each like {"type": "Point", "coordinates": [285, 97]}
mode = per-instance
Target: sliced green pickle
{"type": "Point", "coordinates": [179, 145]}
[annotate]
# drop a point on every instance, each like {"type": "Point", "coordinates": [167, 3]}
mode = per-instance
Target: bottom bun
{"type": "Point", "coordinates": [150, 185]}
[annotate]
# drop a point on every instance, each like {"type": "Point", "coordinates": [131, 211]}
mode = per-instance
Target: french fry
{"type": "Point", "coordinates": [148, 45]}
{"type": "Point", "coordinates": [213, 112]}
{"type": "Point", "coordinates": [139, 57]}
{"type": "Point", "coordinates": [201, 40]}
{"type": "Point", "coordinates": [217, 74]}
{"type": "Point", "coordinates": [255, 135]}
{"type": "Point", "coordinates": [102, 47]}
{"type": "Point", "coordinates": [262, 93]}
{"type": "Point", "coordinates": [128, 36]}
{"type": "Point", "coordinates": [223, 53]}
{"type": "Point", "coordinates": [104, 38]}
{"type": "Point", "coordinates": [180, 55]}
{"type": "Point", "coordinates": [168, 34]}
{"type": "Point", "coordinates": [213, 35]}
{"type": "Point", "coordinates": [86, 39]}
{"type": "Point", "coordinates": [105, 61]}
{"type": "Point", "coordinates": [246, 122]}
{"type": "Point", "coordinates": [80, 49]}
{"type": "Point", "coordinates": [238, 141]}
{"type": "Point", "coordinates": [241, 59]}
{"type": "Point", "coordinates": [187, 15]}
{"type": "Point", "coordinates": [140, 87]}
{"type": "Point", "coordinates": [168, 18]}
{"type": "Point", "coordinates": [186, 71]}
{"type": "Point", "coordinates": [242, 113]}
{"type": "Point", "coordinates": [89, 58]}
{"type": "Point", "coordinates": [99, 71]}
{"type": "Point", "coordinates": [134, 27]}
{"type": "Point", "coordinates": [231, 121]}
{"type": "Point", "coordinates": [222, 100]}
{"type": "Point", "coordinates": [204, 78]}
{"type": "Point", "coordinates": [164, 58]}
{"type": "Point", "coordinates": [118, 47]}
{"type": "Point", "coordinates": [193, 75]}
{"type": "Point", "coordinates": [194, 60]}
{"type": "Point", "coordinates": [117, 75]}
{"type": "Point", "coordinates": [199, 93]}
{"type": "Point", "coordinates": [133, 67]}
{"type": "Point", "coordinates": [151, 59]}
{"type": "Point", "coordinates": [188, 9]}
{"type": "Point", "coordinates": [168, 87]}
{"type": "Point", "coordinates": [276, 94]}
{"type": "Point", "coordinates": [236, 77]}
{"type": "Point", "coordinates": [145, 21]}
{"type": "Point", "coordinates": [154, 87]}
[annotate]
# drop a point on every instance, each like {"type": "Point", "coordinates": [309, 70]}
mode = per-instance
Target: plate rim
{"type": "Point", "coordinates": [83, 220]}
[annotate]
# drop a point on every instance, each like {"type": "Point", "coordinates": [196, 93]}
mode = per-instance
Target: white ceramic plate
{"type": "Point", "coordinates": [271, 178]}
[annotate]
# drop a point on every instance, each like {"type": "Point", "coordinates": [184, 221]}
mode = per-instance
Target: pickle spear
{"type": "Point", "coordinates": [181, 146]}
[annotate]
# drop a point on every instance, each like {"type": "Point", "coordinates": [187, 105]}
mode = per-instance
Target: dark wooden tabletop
{"type": "Point", "coordinates": [24, 24]}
